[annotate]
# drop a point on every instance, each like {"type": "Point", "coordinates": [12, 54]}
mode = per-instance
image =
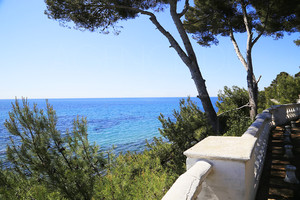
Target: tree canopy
{"type": "Point", "coordinates": [211, 18]}
{"type": "Point", "coordinates": [97, 15]}
{"type": "Point", "coordinates": [283, 89]}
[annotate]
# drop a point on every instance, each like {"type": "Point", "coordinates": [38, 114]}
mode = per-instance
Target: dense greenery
{"type": "Point", "coordinates": [283, 89]}
{"type": "Point", "coordinates": [233, 111]}
{"type": "Point", "coordinates": [187, 127]}
{"type": "Point", "coordinates": [134, 176]}
{"type": "Point", "coordinates": [233, 102]}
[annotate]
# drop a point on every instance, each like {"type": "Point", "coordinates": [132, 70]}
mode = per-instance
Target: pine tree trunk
{"type": "Point", "coordinates": [190, 60]}
{"type": "Point", "coordinates": [204, 97]}
{"type": "Point", "coordinates": [253, 93]}
{"type": "Point", "coordinates": [252, 87]}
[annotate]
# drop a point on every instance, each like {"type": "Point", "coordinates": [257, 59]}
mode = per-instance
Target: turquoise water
{"type": "Point", "coordinates": [123, 122]}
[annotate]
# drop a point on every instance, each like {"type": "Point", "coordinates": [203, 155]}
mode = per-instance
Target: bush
{"type": "Point", "coordinates": [188, 128]}
{"type": "Point", "coordinates": [233, 111]}
{"type": "Point", "coordinates": [14, 187]}
{"type": "Point", "coordinates": [134, 176]}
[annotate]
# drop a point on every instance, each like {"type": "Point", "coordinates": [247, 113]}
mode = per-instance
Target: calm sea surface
{"type": "Point", "coordinates": [123, 122]}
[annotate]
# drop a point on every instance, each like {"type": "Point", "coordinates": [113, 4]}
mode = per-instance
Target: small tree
{"type": "Point", "coordinates": [210, 18]}
{"type": "Point", "coordinates": [39, 152]}
{"type": "Point", "coordinates": [187, 127]}
{"type": "Point", "coordinates": [45, 164]}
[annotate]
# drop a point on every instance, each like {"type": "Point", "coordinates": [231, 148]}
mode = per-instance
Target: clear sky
{"type": "Point", "coordinates": [40, 59]}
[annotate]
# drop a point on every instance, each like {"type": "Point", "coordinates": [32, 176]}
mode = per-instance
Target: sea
{"type": "Point", "coordinates": [125, 123]}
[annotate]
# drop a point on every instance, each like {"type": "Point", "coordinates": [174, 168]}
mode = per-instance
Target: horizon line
{"type": "Point", "coordinates": [42, 98]}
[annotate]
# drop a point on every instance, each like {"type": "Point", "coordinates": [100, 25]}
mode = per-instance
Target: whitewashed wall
{"type": "Point", "coordinates": [221, 167]}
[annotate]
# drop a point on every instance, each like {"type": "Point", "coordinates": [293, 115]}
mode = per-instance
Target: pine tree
{"type": "Point", "coordinates": [39, 152]}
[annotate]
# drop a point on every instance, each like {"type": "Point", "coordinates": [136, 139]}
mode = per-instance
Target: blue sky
{"type": "Point", "coordinates": [40, 59]}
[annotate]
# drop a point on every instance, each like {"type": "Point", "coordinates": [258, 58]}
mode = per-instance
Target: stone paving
{"type": "Point", "coordinates": [272, 184]}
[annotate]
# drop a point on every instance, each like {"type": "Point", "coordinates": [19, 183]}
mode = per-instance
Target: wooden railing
{"type": "Point", "coordinates": [221, 167]}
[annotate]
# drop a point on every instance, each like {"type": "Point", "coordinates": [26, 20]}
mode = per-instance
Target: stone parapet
{"type": "Point", "coordinates": [230, 167]}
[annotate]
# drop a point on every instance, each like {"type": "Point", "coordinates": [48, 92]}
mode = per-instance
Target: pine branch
{"type": "Point", "coordinates": [246, 105]}
{"type": "Point", "coordinates": [186, 8]}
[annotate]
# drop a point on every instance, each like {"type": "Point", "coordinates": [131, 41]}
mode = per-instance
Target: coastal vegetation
{"type": "Point", "coordinates": [44, 163]}
{"type": "Point", "coordinates": [283, 89]}
{"type": "Point", "coordinates": [187, 127]}
{"type": "Point", "coordinates": [233, 111]}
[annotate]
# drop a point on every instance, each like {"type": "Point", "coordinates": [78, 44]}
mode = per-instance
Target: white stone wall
{"type": "Point", "coordinates": [221, 167]}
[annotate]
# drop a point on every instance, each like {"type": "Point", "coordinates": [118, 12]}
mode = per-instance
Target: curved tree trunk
{"type": "Point", "coordinates": [189, 58]}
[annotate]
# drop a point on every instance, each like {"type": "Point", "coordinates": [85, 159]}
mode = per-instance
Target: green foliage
{"type": "Point", "coordinates": [262, 102]}
{"type": "Point", "coordinates": [284, 89]}
{"type": "Point", "coordinates": [232, 98]}
{"type": "Point", "coordinates": [233, 111]}
{"type": "Point", "coordinates": [209, 18]}
{"type": "Point", "coordinates": [233, 121]}
{"type": "Point", "coordinates": [134, 176]}
{"type": "Point", "coordinates": [98, 15]}
{"type": "Point", "coordinates": [188, 127]}
{"type": "Point", "coordinates": [14, 187]}
{"type": "Point", "coordinates": [39, 153]}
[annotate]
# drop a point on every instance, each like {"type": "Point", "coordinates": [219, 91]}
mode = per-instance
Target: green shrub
{"type": "Point", "coordinates": [42, 155]}
{"type": "Point", "coordinates": [233, 111]}
{"type": "Point", "coordinates": [283, 89]}
{"type": "Point", "coordinates": [14, 187]}
{"type": "Point", "coordinates": [134, 176]}
{"type": "Point", "coordinates": [188, 128]}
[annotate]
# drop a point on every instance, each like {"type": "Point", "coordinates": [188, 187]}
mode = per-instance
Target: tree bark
{"type": "Point", "coordinates": [252, 87]}
{"type": "Point", "coordinates": [251, 80]}
{"type": "Point", "coordinates": [204, 97]}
